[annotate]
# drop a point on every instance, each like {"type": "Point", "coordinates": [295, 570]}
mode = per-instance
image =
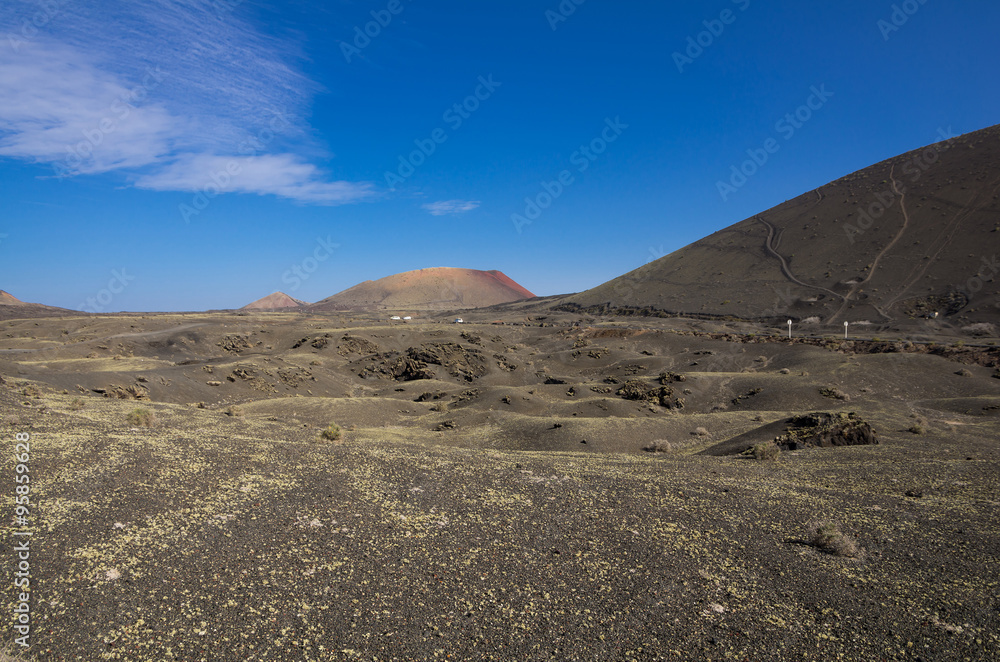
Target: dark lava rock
{"type": "Point", "coordinates": [823, 429]}
{"type": "Point", "coordinates": [636, 389]}
{"type": "Point", "coordinates": [129, 392]}
{"type": "Point", "coordinates": [354, 345]}
{"type": "Point", "coordinates": [235, 343]}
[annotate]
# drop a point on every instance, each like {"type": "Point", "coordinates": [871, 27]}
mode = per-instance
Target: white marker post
{"type": "Point", "coordinates": [789, 328]}
{"type": "Point", "coordinates": [845, 330]}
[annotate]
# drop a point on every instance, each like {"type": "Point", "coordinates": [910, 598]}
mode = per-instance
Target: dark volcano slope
{"type": "Point", "coordinates": [905, 238]}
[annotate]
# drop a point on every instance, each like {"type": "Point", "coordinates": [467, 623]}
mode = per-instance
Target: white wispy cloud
{"type": "Point", "coordinates": [446, 207]}
{"type": "Point", "coordinates": [164, 90]}
{"type": "Point", "coordinates": [285, 175]}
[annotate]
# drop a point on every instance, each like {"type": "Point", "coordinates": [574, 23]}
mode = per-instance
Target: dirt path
{"type": "Point", "coordinates": [871, 272]}
{"type": "Point", "coordinates": [948, 233]}
{"type": "Point", "coordinates": [784, 265]}
{"type": "Point", "coordinates": [146, 334]}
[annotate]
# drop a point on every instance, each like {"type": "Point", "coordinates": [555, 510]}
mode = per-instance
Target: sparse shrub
{"type": "Point", "coordinates": [834, 393]}
{"type": "Point", "coordinates": [811, 320]}
{"type": "Point", "coordinates": [964, 372]}
{"type": "Point", "coordinates": [785, 371]}
{"type": "Point", "coordinates": [767, 451]}
{"type": "Point", "coordinates": [916, 429]}
{"type": "Point", "coordinates": [658, 446]}
{"type": "Point", "coordinates": [700, 432]}
{"type": "Point", "coordinates": [76, 405]}
{"type": "Point", "coordinates": [315, 362]}
{"type": "Point", "coordinates": [827, 537]}
{"type": "Point", "coordinates": [31, 391]}
{"type": "Point", "coordinates": [141, 418]}
{"type": "Point", "coordinates": [332, 432]}
{"type": "Point", "coordinates": [234, 410]}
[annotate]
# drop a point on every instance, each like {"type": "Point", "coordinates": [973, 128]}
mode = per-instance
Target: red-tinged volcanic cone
{"type": "Point", "coordinates": [440, 288]}
{"type": "Point", "coordinates": [8, 299]}
{"type": "Point", "coordinates": [13, 308]}
{"type": "Point", "coordinates": [276, 301]}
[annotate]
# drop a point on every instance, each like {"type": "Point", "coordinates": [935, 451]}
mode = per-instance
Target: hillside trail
{"type": "Point", "coordinates": [979, 200]}
{"type": "Point", "coordinates": [785, 270]}
{"type": "Point", "coordinates": [901, 192]}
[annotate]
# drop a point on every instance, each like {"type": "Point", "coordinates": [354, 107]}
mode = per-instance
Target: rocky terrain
{"type": "Point", "coordinates": [288, 486]}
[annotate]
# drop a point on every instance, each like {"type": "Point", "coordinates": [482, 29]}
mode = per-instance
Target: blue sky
{"type": "Point", "coordinates": [197, 154]}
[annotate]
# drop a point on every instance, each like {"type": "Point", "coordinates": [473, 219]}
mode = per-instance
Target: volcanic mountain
{"type": "Point", "coordinates": [12, 308]}
{"type": "Point", "coordinates": [909, 237]}
{"type": "Point", "coordinates": [8, 299]}
{"type": "Point", "coordinates": [439, 288]}
{"type": "Point", "coordinates": [276, 301]}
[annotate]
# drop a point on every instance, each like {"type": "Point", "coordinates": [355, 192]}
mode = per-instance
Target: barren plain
{"type": "Point", "coordinates": [488, 494]}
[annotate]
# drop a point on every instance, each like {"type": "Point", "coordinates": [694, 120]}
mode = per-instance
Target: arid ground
{"type": "Point", "coordinates": [488, 495]}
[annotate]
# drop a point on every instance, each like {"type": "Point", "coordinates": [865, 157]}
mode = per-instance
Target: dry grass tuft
{"type": "Point", "coordinates": [10, 653]}
{"type": "Point", "coordinates": [827, 537]}
{"type": "Point", "coordinates": [767, 451]}
{"type": "Point", "coordinates": [141, 418]}
{"type": "Point", "coordinates": [658, 446]}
